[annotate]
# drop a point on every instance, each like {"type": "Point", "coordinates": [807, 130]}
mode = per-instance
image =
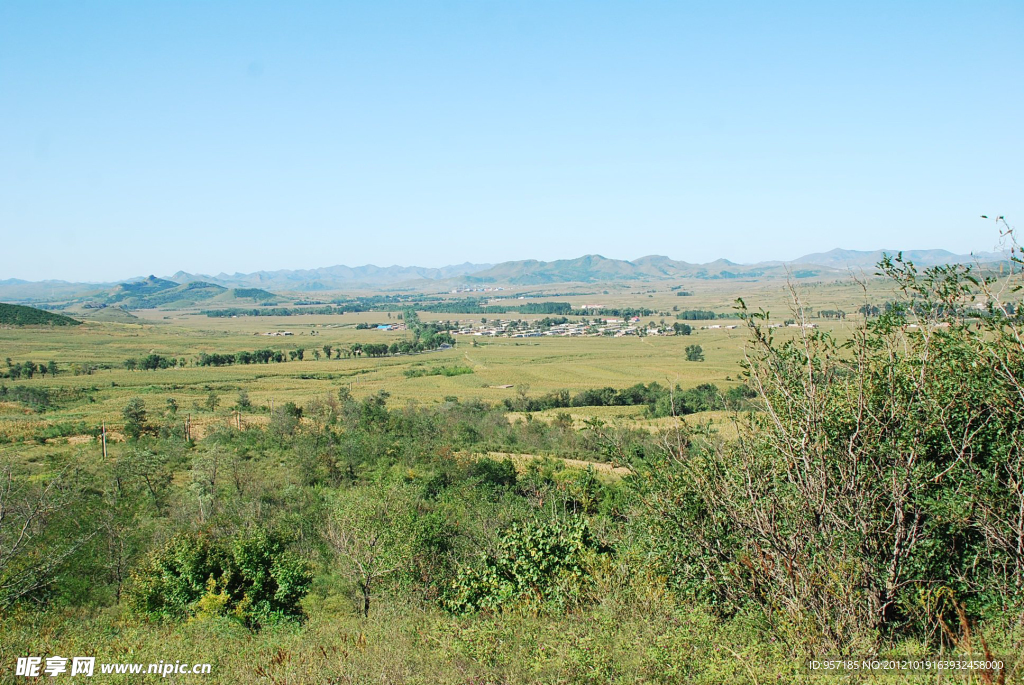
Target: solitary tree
{"type": "Point", "coordinates": [134, 414]}
{"type": "Point", "coordinates": [33, 544]}
{"type": "Point", "coordinates": [212, 402]}
{"type": "Point", "coordinates": [368, 533]}
{"type": "Point", "coordinates": [243, 402]}
{"type": "Point", "coordinates": [694, 353]}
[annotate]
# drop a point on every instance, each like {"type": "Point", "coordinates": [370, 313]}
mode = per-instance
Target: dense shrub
{"type": "Point", "coordinates": [878, 493]}
{"type": "Point", "coordinates": [494, 473]}
{"type": "Point", "coordinates": [658, 399]}
{"type": "Point", "coordinates": [250, 577]}
{"type": "Point", "coordinates": [536, 563]}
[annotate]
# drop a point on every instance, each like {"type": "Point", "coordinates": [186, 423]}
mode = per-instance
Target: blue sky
{"type": "Point", "coordinates": [148, 137]}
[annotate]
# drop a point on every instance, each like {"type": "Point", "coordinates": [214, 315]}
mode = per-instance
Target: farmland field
{"type": "Point", "coordinates": [531, 365]}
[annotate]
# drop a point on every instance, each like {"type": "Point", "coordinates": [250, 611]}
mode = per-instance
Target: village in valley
{"type": "Point", "coordinates": [563, 327]}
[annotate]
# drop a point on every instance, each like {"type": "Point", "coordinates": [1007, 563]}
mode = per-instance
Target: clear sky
{"type": "Point", "coordinates": [148, 137]}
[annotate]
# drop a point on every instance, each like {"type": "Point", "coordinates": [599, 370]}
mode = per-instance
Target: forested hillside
{"type": "Point", "coordinates": [20, 315]}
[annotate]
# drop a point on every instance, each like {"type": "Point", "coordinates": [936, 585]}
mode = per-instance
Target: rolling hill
{"type": "Point", "coordinates": [842, 259]}
{"type": "Point", "coordinates": [153, 292]}
{"type": "Point", "coordinates": [595, 268]}
{"type": "Point", "coordinates": [20, 315]}
{"type": "Point", "coordinates": [139, 290]}
{"type": "Point", "coordinates": [334, 277]}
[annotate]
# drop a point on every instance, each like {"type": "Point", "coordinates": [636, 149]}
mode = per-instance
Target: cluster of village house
{"type": "Point", "coordinates": [533, 329]}
{"type": "Point", "coordinates": [468, 289]}
{"type": "Point", "coordinates": [522, 328]}
{"type": "Point", "coordinates": [774, 325]}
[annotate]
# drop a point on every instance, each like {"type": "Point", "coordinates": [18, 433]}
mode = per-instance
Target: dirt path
{"type": "Point", "coordinates": [473, 362]}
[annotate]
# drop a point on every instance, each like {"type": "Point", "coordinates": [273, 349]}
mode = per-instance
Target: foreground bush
{"type": "Point", "coordinates": [537, 563]}
{"type": "Point", "coordinates": [251, 577]}
{"type": "Point", "coordinates": [880, 491]}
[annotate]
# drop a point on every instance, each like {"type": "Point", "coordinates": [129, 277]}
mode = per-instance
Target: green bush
{"type": "Point", "coordinates": [438, 371]}
{"type": "Point", "coordinates": [250, 577]}
{"type": "Point", "coordinates": [536, 563]}
{"type": "Point", "coordinates": [879, 492]}
{"type": "Point", "coordinates": [494, 473]}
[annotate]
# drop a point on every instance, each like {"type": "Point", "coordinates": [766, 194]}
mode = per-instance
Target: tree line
{"type": "Point", "coordinates": [28, 369]}
{"type": "Point", "coordinates": [658, 400]}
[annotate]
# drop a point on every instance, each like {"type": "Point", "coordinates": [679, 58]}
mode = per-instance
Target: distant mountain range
{"type": "Point", "coordinates": [595, 268]}
{"type": "Point", "coordinates": [185, 289]}
{"type": "Point", "coordinates": [841, 259]}
{"type": "Point", "coordinates": [332, 277]}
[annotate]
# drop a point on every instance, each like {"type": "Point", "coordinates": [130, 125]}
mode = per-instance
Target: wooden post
{"type": "Point", "coordinates": [103, 438]}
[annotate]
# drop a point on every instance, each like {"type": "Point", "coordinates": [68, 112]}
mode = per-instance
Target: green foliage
{"type": "Point", "coordinates": [694, 353]}
{"type": "Point", "coordinates": [263, 356]}
{"type": "Point", "coordinates": [369, 532]}
{"type": "Point", "coordinates": [699, 315]}
{"type": "Point", "coordinates": [36, 540]}
{"type": "Point", "coordinates": [418, 372]}
{"type": "Point", "coordinates": [39, 399]}
{"type": "Point", "coordinates": [65, 430]}
{"type": "Point", "coordinates": [152, 362]}
{"type": "Point", "coordinates": [251, 577]}
{"type": "Point", "coordinates": [212, 402]}
{"type": "Point", "coordinates": [543, 563]}
{"type": "Point", "coordinates": [658, 399]}
{"type": "Point", "coordinates": [253, 294]}
{"type": "Point", "coordinates": [882, 469]}
{"type": "Point", "coordinates": [135, 418]}
{"type": "Point", "coordinates": [243, 403]}
{"type": "Point", "coordinates": [494, 473]}
{"type": "Point", "coordinates": [680, 328]}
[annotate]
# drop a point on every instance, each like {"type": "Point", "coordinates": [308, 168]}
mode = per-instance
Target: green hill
{"type": "Point", "coordinates": [596, 269]}
{"type": "Point", "coordinates": [184, 295]}
{"type": "Point", "coordinates": [20, 315]}
{"type": "Point", "coordinates": [139, 290]}
{"type": "Point", "coordinates": [155, 292]}
{"type": "Point", "coordinates": [248, 295]}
